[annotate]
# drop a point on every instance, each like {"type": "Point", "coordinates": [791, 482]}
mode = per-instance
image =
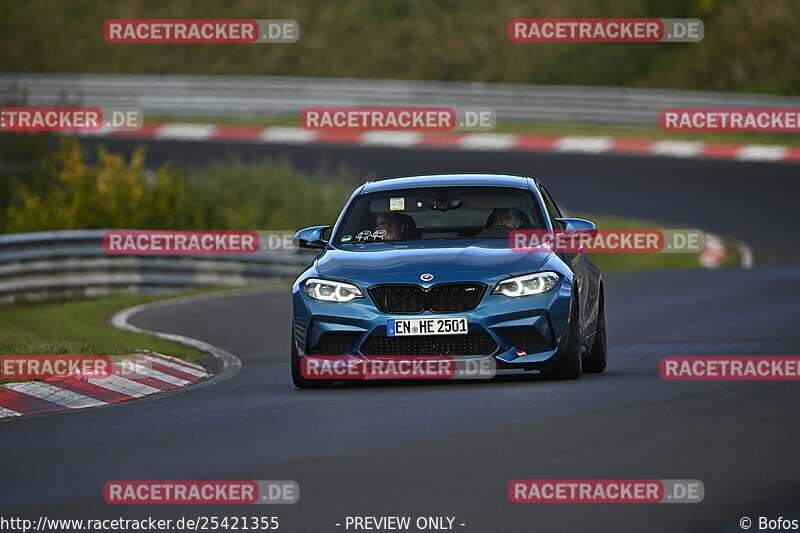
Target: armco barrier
{"type": "Point", "coordinates": [52, 265]}
{"type": "Point", "coordinates": [269, 96]}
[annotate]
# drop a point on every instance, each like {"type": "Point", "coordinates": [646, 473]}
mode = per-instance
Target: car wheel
{"type": "Point", "coordinates": [598, 357]}
{"type": "Point", "coordinates": [297, 377]}
{"type": "Point", "coordinates": [570, 364]}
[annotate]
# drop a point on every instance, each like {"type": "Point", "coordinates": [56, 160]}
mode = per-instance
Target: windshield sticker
{"type": "Point", "coordinates": [374, 235]}
{"type": "Point", "coordinates": [397, 204]}
{"type": "Point", "coordinates": [347, 238]}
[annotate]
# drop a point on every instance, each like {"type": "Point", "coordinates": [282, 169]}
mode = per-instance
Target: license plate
{"type": "Point", "coordinates": [453, 325]}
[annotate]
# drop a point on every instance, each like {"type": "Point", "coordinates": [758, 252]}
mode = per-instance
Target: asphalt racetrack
{"type": "Point", "coordinates": [451, 449]}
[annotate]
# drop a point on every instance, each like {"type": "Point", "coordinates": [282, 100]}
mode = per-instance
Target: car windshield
{"type": "Point", "coordinates": [439, 213]}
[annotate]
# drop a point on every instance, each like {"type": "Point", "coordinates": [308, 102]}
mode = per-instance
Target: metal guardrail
{"type": "Point", "coordinates": [53, 265]}
{"type": "Point", "coordinates": [257, 96]}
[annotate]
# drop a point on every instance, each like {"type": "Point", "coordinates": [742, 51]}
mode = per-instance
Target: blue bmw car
{"type": "Point", "coordinates": [421, 266]}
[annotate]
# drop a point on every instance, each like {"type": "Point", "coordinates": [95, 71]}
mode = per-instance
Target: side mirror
{"type": "Point", "coordinates": [311, 237]}
{"type": "Point", "coordinates": [576, 224]}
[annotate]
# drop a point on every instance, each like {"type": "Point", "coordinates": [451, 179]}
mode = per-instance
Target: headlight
{"type": "Point", "coordinates": [331, 291]}
{"type": "Point", "coordinates": [527, 285]}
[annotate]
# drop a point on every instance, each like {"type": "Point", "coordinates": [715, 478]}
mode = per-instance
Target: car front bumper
{"type": "Point", "coordinates": [505, 320]}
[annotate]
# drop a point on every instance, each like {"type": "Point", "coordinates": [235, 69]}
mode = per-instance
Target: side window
{"type": "Point", "coordinates": [552, 209]}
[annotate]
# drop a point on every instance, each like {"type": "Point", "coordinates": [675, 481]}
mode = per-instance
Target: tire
{"type": "Point", "coordinates": [297, 377]}
{"type": "Point", "coordinates": [597, 359]}
{"type": "Point", "coordinates": [570, 365]}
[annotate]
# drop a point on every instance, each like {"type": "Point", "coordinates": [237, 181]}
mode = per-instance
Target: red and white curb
{"type": "Point", "coordinates": [464, 141]}
{"type": "Point", "coordinates": [715, 253]}
{"type": "Point", "coordinates": [139, 375]}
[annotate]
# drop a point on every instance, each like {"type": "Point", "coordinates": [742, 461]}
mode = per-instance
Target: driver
{"type": "Point", "coordinates": [394, 224]}
{"type": "Point", "coordinates": [508, 217]}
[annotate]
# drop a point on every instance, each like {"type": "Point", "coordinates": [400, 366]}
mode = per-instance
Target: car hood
{"type": "Point", "coordinates": [459, 260]}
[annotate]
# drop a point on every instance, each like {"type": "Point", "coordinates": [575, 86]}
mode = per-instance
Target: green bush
{"type": "Point", "coordinates": [70, 193]}
{"type": "Point", "coordinates": [22, 157]}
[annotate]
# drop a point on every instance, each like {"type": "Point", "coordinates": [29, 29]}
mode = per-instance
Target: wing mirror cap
{"type": "Point", "coordinates": [576, 224]}
{"type": "Point", "coordinates": [311, 237]}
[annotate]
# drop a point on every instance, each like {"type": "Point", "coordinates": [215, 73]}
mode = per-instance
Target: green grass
{"type": "Point", "coordinates": [81, 327]}
{"type": "Point", "coordinates": [78, 327]}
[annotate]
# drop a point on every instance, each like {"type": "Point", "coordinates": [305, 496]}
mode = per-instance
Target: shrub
{"type": "Point", "coordinates": [71, 193]}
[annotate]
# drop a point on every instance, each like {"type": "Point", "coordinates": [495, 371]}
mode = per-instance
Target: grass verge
{"type": "Point", "coordinates": [81, 327]}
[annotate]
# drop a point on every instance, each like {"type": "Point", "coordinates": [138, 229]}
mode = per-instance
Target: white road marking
{"type": "Point", "coordinates": [592, 145]}
{"type": "Point", "coordinates": [279, 134]}
{"type": "Point", "coordinates": [390, 138]}
{"type": "Point", "coordinates": [761, 152]}
{"type": "Point", "coordinates": [124, 386]}
{"type": "Point", "coordinates": [149, 372]}
{"type": "Point", "coordinates": [6, 413]}
{"type": "Point", "coordinates": [181, 362]}
{"type": "Point", "coordinates": [488, 141]}
{"type": "Point", "coordinates": [677, 148]}
{"type": "Point", "coordinates": [192, 132]}
{"type": "Point", "coordinates": [52, 393]}
{"type": "Point", "coordinates": [182, 368]}
{"type": "Point", "coordinates": [745, 254]}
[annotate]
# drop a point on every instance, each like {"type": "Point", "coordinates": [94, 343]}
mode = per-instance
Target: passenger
{"type": "Point", "coordinates": [508, 217]}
